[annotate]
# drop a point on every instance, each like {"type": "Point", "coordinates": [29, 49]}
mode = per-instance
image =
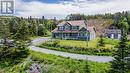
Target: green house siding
{"type": "Point", "coordinates": [74, 30]}
{"type": "Point", "coordinates": [78, 36]}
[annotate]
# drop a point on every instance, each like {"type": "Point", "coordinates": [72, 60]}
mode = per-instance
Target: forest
{"type": "Point", "coordinates": [15, 34]}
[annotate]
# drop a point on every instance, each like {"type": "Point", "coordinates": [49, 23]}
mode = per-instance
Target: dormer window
{"type": "Point", "coordinates": [60, 27]}
{"type": "Point", "coordinates": [75, 27]}
{"type": "Point", "coordinates": [67, 27]}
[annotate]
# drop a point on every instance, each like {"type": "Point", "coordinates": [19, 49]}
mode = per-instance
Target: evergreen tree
{"type": "Point", "coordinates": [119, 64]}
{"type": "Point", "coordinates": [41, 30]}
{"type": "Point", "coordinates": [13, 26]}
{"type": "Point", "coordinates": [124, 24]}
{"type": "Point", "coordinates": [23, 32]}
{"type": "Point", "coordinates": [10, 55]}
{"type": "Point", "coordinates": [73, 17]}
{"type": "Point", "coordinates": [4, 30]}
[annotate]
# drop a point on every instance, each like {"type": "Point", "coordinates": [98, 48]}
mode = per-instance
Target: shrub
{"type": "Point", "coordinates": [55, 43]}
{"type": "Point", "coordinates": [13, 55]}
{"type": "Point", "coordinates": [81, 50]}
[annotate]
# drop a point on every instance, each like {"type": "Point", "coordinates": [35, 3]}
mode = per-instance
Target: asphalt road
{"type": "Point", "coordinates": [66, 54]}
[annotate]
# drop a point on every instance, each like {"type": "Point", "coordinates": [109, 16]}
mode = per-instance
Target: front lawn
{"type": "Point", "coordinates": [83, 47]}
{"type": "Point", "coordinates": [110, 43]}
{"type": "Point", "coordinates": [57, 64]}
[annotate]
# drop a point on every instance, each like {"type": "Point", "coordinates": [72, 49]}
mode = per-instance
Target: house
{"type": "Point", "coordinates": [113, 32]}
{"type": "Point", "coordinates": [100, 25]}
{"type": "Point", "coordinates": [77, 30]}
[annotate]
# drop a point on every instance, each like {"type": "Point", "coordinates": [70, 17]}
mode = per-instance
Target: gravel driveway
{"type": "Point", "coordinates": [65, 54]}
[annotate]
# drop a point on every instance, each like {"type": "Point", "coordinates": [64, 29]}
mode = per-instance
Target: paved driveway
{"type": "Point", "coordinates": [65, 54]}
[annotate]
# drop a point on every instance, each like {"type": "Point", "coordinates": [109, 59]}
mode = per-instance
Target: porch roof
{"type": "Point", "coordinates": [65, 31]}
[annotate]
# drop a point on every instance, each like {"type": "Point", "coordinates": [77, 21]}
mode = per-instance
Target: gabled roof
{"type": "Point", "coordinates": [73, 23]}
{"type": "Point", "coordinates": [81, 23]}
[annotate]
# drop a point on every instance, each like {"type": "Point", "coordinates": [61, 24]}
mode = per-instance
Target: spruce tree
{"type": "Point", "coordinates": [4, 30]}
{"type": "Point", "coordinates": [22, 33]}
{"type": "Point", "coordinates": [119, 64]}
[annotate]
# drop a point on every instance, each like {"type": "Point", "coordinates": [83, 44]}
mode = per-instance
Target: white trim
{"type": "Point", "coordinates": [112, 36]}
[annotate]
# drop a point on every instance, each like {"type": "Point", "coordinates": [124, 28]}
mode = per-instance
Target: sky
{"type": "Point", "coordinates": [61, 8]}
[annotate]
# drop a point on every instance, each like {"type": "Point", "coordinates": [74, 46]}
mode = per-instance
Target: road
{"type": "Point", "coordinates": [65, 54]}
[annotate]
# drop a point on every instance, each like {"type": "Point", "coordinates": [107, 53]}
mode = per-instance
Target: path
{"type": "Point", "coordinates": [65, 54]}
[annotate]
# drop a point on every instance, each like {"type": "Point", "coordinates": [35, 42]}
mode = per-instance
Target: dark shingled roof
{"type": "Point", "coordinates": [73, 23]}
{"type": "Point", "coordinates": [80, 23]}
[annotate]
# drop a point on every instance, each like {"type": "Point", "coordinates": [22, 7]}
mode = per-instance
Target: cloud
{"type": "Point", "coordinates": [63, 8]}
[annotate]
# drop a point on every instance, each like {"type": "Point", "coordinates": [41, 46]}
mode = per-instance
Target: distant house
{"type": "Point", "coordinates": [113, 32]}
{"type": "Point", "coordinates": [74, 30]}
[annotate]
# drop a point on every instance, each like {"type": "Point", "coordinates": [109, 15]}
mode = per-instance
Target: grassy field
{"type": "Point", "coordinates": [110, 43]}
{"type": "Point", "coordinates": [83, 47]}
{"type": "Point", "coordinates": [57, 64]}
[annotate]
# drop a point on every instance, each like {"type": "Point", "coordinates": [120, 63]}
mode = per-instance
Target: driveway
{"type": "Point", "coordinates": [65, 54]}
{"type": "Point", "coordinates": [40, 40]}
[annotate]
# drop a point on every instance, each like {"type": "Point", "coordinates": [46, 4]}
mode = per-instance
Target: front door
{"type": "Point", "coordinates": [67, 35]}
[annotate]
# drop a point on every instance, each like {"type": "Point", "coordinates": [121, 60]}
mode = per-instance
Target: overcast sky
{"type": "Point", "coordinates": [61, 8]}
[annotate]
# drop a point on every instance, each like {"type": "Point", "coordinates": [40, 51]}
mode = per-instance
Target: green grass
{"type": "Point", "coordinates": [68, 65]}
{"type": "Point", "coordinates": [83, 47]}
{"type": "Point", "coordinates": [58, 64]}
{"type": "Point", "coordinates": [91, 44]}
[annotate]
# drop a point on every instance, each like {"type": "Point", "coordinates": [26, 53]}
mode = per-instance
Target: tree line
{"type": "Point", "coordinates": [15, 33]}
{"type": "Point", "coordinates": [116, 17]}
{"type": "Point", "coordinates": [34, 26]}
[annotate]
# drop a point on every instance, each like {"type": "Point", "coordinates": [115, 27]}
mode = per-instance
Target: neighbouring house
{"type": "Point", "coordinates": [74, 30]}
{"type": "Point", "coordinates": [113, 32]}
{"type": "Point", "coordinates": [100, 25]}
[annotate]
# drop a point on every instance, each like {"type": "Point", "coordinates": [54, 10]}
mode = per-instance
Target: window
{"type": "Point", "coordinates": [75, 27]}
{"type": "Point", "coordinates": [82, 34]}
{"type": "Point", "coordinates": [67, 27]}
{"type": "Point", "coordinates": [61, 28]}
